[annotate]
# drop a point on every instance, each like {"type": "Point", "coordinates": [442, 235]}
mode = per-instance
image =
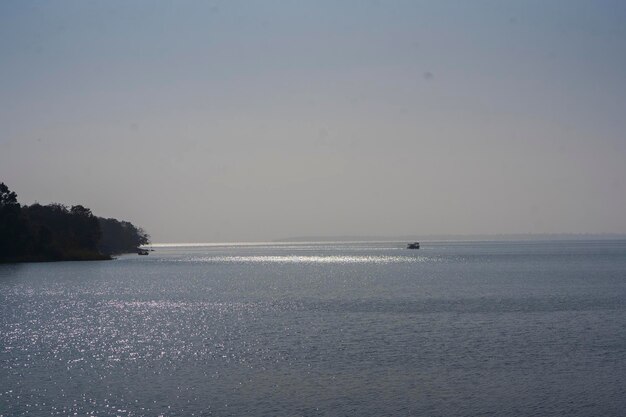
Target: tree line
{"type": "Point", "coordinates": [55, 232]}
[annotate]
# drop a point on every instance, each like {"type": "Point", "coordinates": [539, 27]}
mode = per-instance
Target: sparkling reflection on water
{"type": "Point", "coordinates": [308, 259]}
{"type": "Point", "coordinates": [459, 329]}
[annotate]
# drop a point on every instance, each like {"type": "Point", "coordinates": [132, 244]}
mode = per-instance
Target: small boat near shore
{"type": "Point", "coordinates": [414, 245]}
{"type": "Point", "coordinates": [142, 252]}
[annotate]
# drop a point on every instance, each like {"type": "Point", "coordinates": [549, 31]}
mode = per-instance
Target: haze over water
{"type": "Point", "coordinates": [259, 120]}
{"type": "Point", "coordinates": [452, 329]}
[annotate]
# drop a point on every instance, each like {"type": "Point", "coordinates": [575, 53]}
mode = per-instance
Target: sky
{"type": "Point", "coordinates": [259, 120]}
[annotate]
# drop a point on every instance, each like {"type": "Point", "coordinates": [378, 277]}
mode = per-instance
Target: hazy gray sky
{"type": "Point", "coordinates": [255, 120]}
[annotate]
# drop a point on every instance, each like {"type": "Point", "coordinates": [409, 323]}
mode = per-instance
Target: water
{"type": "Point", "coordinates": [453, 329]}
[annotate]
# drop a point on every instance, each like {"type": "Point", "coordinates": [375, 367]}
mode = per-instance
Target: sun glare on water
{"type": "Point", "coordinates": [308, 259]}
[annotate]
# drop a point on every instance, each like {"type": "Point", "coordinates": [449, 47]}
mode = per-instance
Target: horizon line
{"type": "Point", "coordinates": [401, 239]}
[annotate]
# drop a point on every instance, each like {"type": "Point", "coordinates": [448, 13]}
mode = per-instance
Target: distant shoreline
{"type": "Point", "coordinates": [477, 237]}
{"type": "Point", "coordinates": [399, 240]}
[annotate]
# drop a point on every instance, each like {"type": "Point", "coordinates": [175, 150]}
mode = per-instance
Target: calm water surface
{"type": "Point", "coordinates": [453, 329]}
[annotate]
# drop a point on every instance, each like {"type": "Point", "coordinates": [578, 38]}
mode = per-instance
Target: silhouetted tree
{"type": "Point", "coordinates": [7, 196]}
{"type": "Point", "coordinates": [86, 227]}
{"type": "Point", "coordinates": [56, 232]}
{"type": "Point", "coordinates": [13, 225]}
{"type": "Point", "coordinates": [120, 236]}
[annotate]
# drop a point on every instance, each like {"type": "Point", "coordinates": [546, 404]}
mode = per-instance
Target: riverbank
{"type": "Point", "coordinates": [55, 232]}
